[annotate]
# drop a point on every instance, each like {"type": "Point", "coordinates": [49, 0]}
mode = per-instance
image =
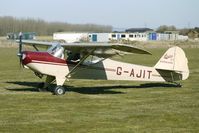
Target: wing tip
{"type": "Point", "coordinates": [133, 49]}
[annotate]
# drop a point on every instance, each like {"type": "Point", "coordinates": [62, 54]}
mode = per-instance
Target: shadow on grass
{"type": "Point", "coordinates": [91, 89]}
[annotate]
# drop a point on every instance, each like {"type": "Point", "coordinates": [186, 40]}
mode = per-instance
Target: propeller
{"type": "Point", "coordinates": [20, 49]}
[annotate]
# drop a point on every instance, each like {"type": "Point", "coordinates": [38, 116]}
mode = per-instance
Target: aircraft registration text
{"type": "Point", "coordinates": [141, 73]}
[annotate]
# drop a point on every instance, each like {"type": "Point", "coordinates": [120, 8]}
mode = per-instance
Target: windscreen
{"type": "Point", "coordinates": [56, 50]}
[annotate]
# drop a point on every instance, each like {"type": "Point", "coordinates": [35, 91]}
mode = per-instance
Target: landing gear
{"type": "Point", "coordinates": [47, 86]}
{"type": "Point", "coordinates": [178, 84]}
{"type": "Point", "coordinates": [59, 90]}
{"type": "Point", "coordinates": [173, 81]}
{"type": "Point", "coordinates": [41, 87]}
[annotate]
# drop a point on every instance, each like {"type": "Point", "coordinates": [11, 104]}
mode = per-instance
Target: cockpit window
{"type": "Point", "coordinates": [56, 50]}
{"type": "Point", "coordinates": [73, 57]}
{"type": "Point", "coordinates": [53, 48]}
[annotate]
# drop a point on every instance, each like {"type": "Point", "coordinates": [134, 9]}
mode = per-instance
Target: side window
{"type": "Point", "coordinates": [123, 36]}
{"type": "Point", "coordinates": [113, 35]}
{"type": "Point", "coordinates": [73, 57]}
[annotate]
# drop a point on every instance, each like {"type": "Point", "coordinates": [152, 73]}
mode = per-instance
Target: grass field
{"type": "Point", "coordinates": [98, 106]}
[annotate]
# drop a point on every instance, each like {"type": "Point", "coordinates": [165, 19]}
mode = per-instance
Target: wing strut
{"type": "Point", "coordinates": [35, 48]}
{"type": "Point", "coordinates": [82, 60]}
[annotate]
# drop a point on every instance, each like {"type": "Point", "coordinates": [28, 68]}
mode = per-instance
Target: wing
{"type": "Point", "coordinates": [97, 48]}
{"type": "Point", "coordinates": [37, 43]}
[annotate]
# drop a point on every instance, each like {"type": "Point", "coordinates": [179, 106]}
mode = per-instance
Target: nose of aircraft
{"type": "Point", "coordinates": [26, 58]}
{"type": "Point", "coordinates": [39, 57]}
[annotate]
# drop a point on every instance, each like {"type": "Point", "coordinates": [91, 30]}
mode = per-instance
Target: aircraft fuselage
{"type": "Point", "coordinates": [107, 69]}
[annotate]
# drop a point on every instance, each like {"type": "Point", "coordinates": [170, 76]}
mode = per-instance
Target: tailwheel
{"type": "Point", "coordinates": [59, 90]}
{"type": "Point", "coordinates": [178, 85]}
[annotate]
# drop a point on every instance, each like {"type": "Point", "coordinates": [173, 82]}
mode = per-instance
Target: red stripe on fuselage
{"type": "Point", "coordinates": [41, 57]}
{"type": "Point", "coordinates": [46, 58]}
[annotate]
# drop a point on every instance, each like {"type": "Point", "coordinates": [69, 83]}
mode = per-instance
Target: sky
{"type": "Point", "coordinates": [117, 13]}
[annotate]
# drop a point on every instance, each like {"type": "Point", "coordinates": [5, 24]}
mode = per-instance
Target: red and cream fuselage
{"type": "Point", "coordinates": [106, 69]}
{"type": "Point", "coordinates": [81, 63]}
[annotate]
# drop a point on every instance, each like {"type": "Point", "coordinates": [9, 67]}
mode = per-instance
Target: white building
{"type": "Point", "coordinates": [183, 38]}
{"type": "Point", "coordinates": [70, 37]}
{"type": "Point", "coordinates": [137, 37]}
{"type": "Point", "coordinates": [81, 37]}
{"type": "Point", "coordinates": [171, 37]}
{"type": "Point", "coordinates": [129, 36]}
{"type": "Point", "coordinates": [106, 37]}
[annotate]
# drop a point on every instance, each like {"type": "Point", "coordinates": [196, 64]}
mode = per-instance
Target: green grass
{"type": "Point", "coordinates": [46, 38]}
{"type": "Point", "coordinates": [98, 106]}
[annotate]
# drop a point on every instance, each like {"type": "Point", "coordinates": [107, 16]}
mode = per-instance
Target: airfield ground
{"type": "Point", "coordinates": [98, 106]}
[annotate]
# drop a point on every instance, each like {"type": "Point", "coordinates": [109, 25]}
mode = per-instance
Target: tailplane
{"type": "Point", "coordinates": [175, 61]}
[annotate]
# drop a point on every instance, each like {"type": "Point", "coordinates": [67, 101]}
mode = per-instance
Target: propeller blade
{"type": "Point", "coordinates": [20, 49]}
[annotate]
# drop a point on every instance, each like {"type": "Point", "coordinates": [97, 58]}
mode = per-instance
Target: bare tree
{"type": "Point", "coordinates": [164, 28]}
{"type": "Point", "coordinates": [41, 27]}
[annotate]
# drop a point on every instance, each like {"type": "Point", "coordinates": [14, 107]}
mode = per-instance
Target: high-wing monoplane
{"type": "Point", "coordinates": [92, 61]}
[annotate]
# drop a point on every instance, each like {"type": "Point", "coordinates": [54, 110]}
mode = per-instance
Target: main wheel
{"type": "Point", "coordinates": [59, 90]}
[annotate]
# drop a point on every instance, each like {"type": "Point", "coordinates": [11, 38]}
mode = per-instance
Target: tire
{"type": "Point", "coordinates": [59, 90]}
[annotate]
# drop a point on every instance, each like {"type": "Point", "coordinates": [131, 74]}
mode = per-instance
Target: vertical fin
{"type": "Point", "coordinates": [174, 59]}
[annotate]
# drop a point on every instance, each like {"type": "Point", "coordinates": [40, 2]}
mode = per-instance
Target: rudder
{"type": "Point", "coordinates": [174, 59]}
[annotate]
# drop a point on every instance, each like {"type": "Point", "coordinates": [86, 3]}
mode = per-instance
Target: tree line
{"type": "Point", "coordinates": [10, 24]}
{"type": "Point", "coordinates": [190, 32]}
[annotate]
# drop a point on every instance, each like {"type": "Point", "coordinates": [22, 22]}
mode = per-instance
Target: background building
{"type": "Point", "coordinates": [133, 34]}
{"type": "Point", "coordinates": [81, 37]}
{"type": "Point", "coordinates": [26, 36]}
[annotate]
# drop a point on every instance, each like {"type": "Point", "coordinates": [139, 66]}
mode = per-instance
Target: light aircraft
{"type": "Point", "coordinates": [91, 61]}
